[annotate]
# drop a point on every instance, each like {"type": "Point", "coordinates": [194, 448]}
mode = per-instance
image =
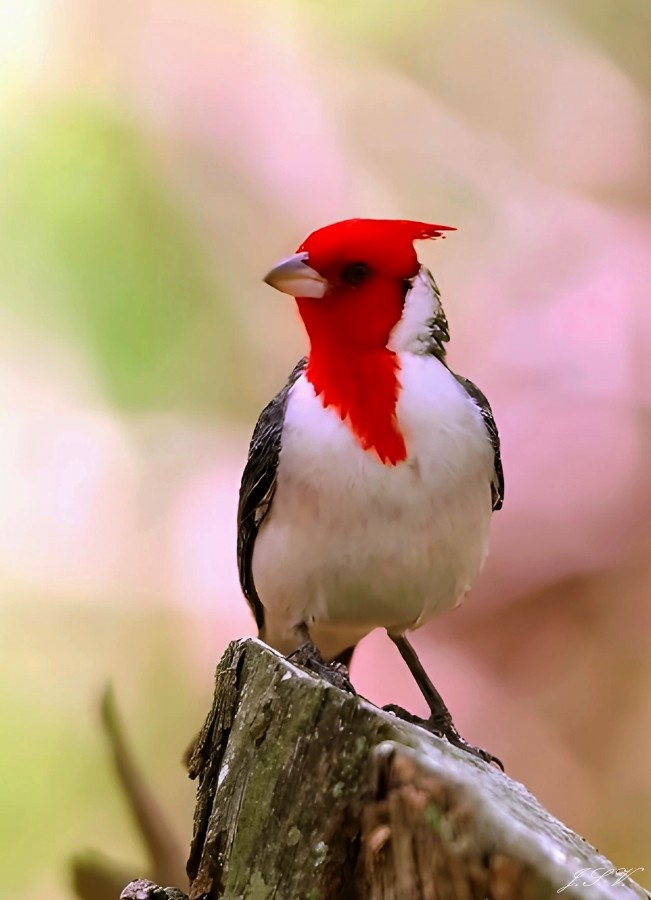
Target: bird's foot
{"type": "Point", "coordinates": [334, 673]}
{"type": "Point", "coordinates": [443, 726]}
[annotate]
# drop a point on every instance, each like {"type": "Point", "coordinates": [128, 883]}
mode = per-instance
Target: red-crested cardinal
{"type": "Point", "coordinates": [372, 476]}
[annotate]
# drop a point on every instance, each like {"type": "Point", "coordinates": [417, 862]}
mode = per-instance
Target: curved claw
{"type": "Point", "coordinates": [442, 726]}
{"type": "Point", "coordinates": [455, 738]}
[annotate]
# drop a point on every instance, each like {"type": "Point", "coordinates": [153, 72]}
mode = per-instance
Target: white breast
{"type": "Point", "coordinates": [351, 544]}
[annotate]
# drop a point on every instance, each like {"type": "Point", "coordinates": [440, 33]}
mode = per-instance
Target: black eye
{"type": "Point", "coordinates": [355, 273]}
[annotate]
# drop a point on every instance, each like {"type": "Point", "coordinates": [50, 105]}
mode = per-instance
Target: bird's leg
{"type": "Point", "coordinates": [308, 656]}
{"type": "Point", "coordinates": [440, 721]}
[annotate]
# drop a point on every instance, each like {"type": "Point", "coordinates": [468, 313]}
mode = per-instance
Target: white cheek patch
{"type": "Point", "coordinates": [422, 325]}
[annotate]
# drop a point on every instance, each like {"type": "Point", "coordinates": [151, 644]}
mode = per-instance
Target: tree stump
{"type": "Point", "coordinates": [308, 793]}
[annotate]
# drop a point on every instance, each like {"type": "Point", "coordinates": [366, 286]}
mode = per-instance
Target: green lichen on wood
{"type": "Point", "coordinates": [274, 775]}
{"type": "Point", "coordinates": [271, 759]}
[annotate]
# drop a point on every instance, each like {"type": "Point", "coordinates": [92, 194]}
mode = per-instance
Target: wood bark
{"type": "Point", "coordinates": [309, 793]}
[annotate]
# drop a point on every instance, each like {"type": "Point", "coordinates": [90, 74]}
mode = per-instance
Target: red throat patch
{"type": "Point", "coordinates": [364, 392]}
{"type": "Point", "coordinates": [350, 366]}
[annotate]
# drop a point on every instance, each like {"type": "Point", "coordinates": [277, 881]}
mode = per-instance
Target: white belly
{"type": "Point", "coordinates": [351, 544]}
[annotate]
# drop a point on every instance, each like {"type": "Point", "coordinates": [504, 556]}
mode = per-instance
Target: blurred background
{"type": "Point", "coordinates": [155, 159]}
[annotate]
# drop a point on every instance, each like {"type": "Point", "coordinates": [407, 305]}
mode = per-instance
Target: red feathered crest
{"type": "Point", "coordinates": [384, 243]}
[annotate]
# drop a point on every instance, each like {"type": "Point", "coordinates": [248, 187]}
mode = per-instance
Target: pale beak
{"type": "Point", "coordinates": [293, 276]}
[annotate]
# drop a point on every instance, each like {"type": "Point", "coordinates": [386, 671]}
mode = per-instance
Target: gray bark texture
{"type": "Point", "coordinates": [309, 793]}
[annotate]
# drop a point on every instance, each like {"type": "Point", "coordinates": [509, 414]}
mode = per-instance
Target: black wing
{"type": "Point", "coordinates": [497, 485]}
{"type": "Point", "coordinates": [258, 486]}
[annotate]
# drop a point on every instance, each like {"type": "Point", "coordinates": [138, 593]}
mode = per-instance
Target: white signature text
{"type": "Point", "coordinates": [592, 876]}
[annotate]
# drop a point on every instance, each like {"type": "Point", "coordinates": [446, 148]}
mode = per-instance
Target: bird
{"type": "Point", "coordinates": [372, 476]}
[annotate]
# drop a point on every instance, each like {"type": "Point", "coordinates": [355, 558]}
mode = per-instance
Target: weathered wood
{"type": "Point", "coordinates": [309, 793]}
{"type": "Point", "coordinates": [147, 890]}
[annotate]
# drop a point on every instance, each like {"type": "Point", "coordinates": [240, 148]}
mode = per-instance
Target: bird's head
{"type": "Point", "coordinates": [351, 282]}
{"type": "Point", "coordinates": [350, 279]}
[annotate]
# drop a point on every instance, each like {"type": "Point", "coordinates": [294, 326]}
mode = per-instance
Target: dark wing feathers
{"type": "Point", "coordinates": [473, 391]}
{"type": "Point", "coordinates": [258, 486]}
